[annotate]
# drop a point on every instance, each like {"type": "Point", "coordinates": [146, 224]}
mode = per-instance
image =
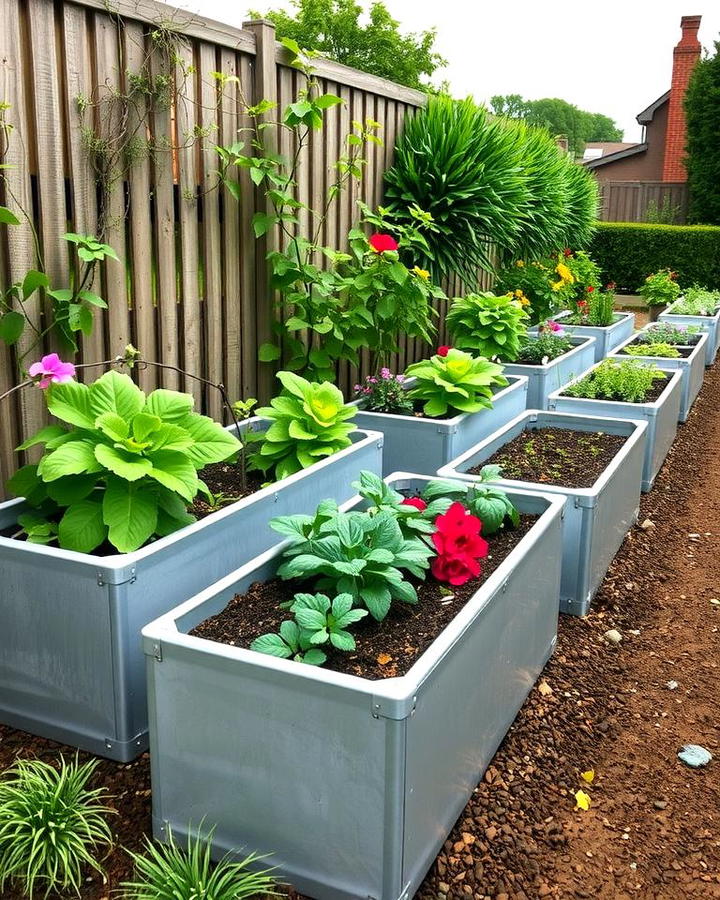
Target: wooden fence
{"type": "Point", "coordinates": [191, 286]}
{"type": "Point", "coordinates": [642, 201]}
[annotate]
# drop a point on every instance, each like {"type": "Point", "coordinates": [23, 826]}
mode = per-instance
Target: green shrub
{"type": "Point", "coordinates": [308, 424]}
{"type": "Point", "coordinates": [546, 283]}
{"type": "Point", "coordinates": [488, 325]}
{"type": "Point", "coordinates": [629, 381]}
{"type": "Point", "coordinates": [665, 333]}
{"type": "Point", "coordinates": [656, 349]}
{"type": "Point", "coordinates": [169, 872]}
{"type": "Point", "coordinates": [457, 382]}
{"type": "Point", "coordinates": [52, 825]}
{"type": "Point", "coordinates": [660, 288]}
{"type": "Point", "coordinates": [544, 348]}
{"type": "Point", "coordinates": [696, 301]}
{"type": "Point", "coordinates": [628, 251]}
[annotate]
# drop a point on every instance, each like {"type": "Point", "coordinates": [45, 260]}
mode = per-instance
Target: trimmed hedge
{"type": "Point", "coordinates": [627, 252]}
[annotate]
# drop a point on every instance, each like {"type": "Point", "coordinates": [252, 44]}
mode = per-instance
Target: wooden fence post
{"type": "Point", "coordinates": [264, 88]}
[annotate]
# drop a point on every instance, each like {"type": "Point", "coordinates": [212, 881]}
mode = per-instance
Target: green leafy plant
{"type": "Point", "coordinates": [585, 271]}
{"type": "Point", "coordinates": [596, 309]}
{"type": "Point", "coordinates": [170, 872]}
{"type": "Point", "coordinates": [318, 621]}
{"type": "Point", "coordinates": [414, 518]}
{"type": "Point", "coordinates": [540, 283]}
{"type": "Point", "coordinates": [696, 301]}
{"type": "Point", "coordinates": [309, 422]}
{"type": "Point", "coordinates": [544, 348]}
{"type": "Point", "coordinates": [654, 349]}
{"type": "Point", "coordinates": [353, 553]}
{"type": "Point", "coordinates": [457, 382]}
{"type": "Point", "coordinates": [660, 288]}
{"type": "Point", "coordinates": [123, 471]}
{"type": "Point", "coordinates": [52, 825]}
{"type": "Point", "coordinates": [491, 326]}
{"type": "Point", "coordinates": [628, 381]}
{"type": "Point", "coordinates": [665, 333]}
{"type": "Point", "coordinates": [384, 392]}
{"type": "Point", "coordinates": [490, 504]}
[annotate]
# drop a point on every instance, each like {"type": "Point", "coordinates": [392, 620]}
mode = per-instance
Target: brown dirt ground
{"type": "Point", "coordinates": [653, 828]}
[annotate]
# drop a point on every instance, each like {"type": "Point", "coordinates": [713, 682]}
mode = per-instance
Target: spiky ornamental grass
{"type": "Point", "coordinates": [170, 872]}
{"type": "Point", "coordinates": [487, 182]}
{"type": "Point", "coordinates": [52, 825]}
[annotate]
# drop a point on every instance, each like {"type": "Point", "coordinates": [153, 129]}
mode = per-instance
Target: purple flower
{"type": "Point", "coordinates": [372, 380]}
{"type": "Point", "coordinates": [385, 374]}
{"type": "Point", "coordinates": [51, 369]}
{"type": "Point", "coordinates": [357, 388]}
{"type": "Point", "coordinates": [399, 379]}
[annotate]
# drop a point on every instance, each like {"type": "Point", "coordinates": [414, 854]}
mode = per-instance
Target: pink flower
{"type": "Point", "coordinates": [555, 327]}
{"type": "Point", "coordinates": [381, 243]}
{"type": "Point", "coordinates": [51, 369]}
{"type": "Point", "coordinates": [444, 350]}
{"type": "Point", "coordinates": [385, 374]}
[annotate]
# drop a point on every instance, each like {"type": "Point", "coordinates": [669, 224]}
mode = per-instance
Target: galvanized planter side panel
{"type": "Point", "coordinates": [422, 445]}
{"type": "Point", "coordinates": [692, 368]}
{"type": "Point", "coordinates": [71, 664]}
{"type": "Point", "coordinates": [544, 379]}
{"type": "Point", "coordinates": [710, 324]}
{"type": "Point", "coordinates": [606, 339]}
{"type": "Point", "coordinates": [661, 416]}
{"type": "Point", "coordinates": [316, 767]}
{"type": "Point", "coordinates": [596, 518]}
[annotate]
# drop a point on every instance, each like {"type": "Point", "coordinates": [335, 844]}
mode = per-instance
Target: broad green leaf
{"type": "Point", "coordinates": [116, 393]}
{"type": "Point", "coordinates": [273, 645]}
{"type": "Point", "coordinates": [325, 101]}
{"type": "Point", "coordinates": [71, 403]}
{"type": "Point", "coordinates": [71, 489]}
{"type": "Point", "coordinates": [43, 436]}
{"type": "Point", "coordinates": [8, 217]}
{"type": "Point", "coordinates": [144, 425]}
{"type": "Point", "coordinates": [130, 511]}
{"type": "Point", "coordinates": [170, 406]}
{"type": "Point", "coordinates": [343, 640]}
{"type": "Point", "coordinates": [211, 442]}
{"type": "Point", "coordinates": [314, 657]}
{"type": "Point", "coordinates": [72, 458]}
{"type": "Point", "coordinates": [174, 471]}
{"type": "Point", "coordinates": [27, 483]}
{"type": "Point", "coordinates": [81, 527]}
{"type": "Point", "coordinates": [170, 437]}
{"type": "Point", "coordinates": [377, 598]}
{"type": "Point", "coordinates": [269, 353]}
{"type": "Point", "coordinates": [12, 325]}
{"type": "Point", "coordinates": [125, 465]}
{"type": "Point", "coordinates": [113, 426]}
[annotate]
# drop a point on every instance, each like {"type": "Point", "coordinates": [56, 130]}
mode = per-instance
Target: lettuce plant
{"type": "Point", "coordinates": [489, 503]}
{"type": "Point", "coordinates": [488, 325]}
{"type": "Point", "coordinates": [629, 381]}
{"type": "Point", "coordinates": [318, 621]}
{"type": "Point", "coordinates": [122, 468]}
{"type": "Point", "coordinates": [353, 553]}
{"type": "Point", "coordinates": [309, 422]}
{"type": "Point", "coordinates": [658, 348]}
{"type": "Point", "coordinates": [696, 302]}
{"type": "Point", "coordinates": [457, 382]}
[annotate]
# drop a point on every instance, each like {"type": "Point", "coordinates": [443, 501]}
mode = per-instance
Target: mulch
{"type": "Point", "coordinates": [653, 827]}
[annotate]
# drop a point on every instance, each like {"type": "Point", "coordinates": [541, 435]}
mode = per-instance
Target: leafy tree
{"type": "Point", "coordinates": [559, 117]}
{"type": "Point", "coordinates": [333, 28]}
{"type": "Point", "coordinates": [702, 110]}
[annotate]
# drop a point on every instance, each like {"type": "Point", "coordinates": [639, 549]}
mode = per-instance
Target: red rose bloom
{"type": "Point", "coordinates": [568, 252]}
{"type": "Point", "coordinates": [444, 350]}
{"type": "Point", "coordinates": [589, 289]}
{"type": "Point", "coordinates": [416, 502]}
{"type": "Point", "coordinates": [459, 546]}
{"type": "Point", "coordinates": [383, 242]}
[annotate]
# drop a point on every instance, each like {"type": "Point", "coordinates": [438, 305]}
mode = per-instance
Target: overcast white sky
{"type": "Point", "coordinates": [608, 56]}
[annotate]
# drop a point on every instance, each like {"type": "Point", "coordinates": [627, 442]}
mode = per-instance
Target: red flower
{"type": "Point", "coordinates": [610, 286]}
{"type": "Point", "coordinates": [567, 252]}
{"type": "Point", "coordinates": [417, 502]}
{"type": "Point", "coordinates": [582, 303]}
{"type": "Point", "coordinates": [459, 546]}
{"type": "Point", "coordinates": [381, 243]}
{"type": "Point", "coordinates": [444, 350]}
{"type": "Point", "coordinates": [589, 289]}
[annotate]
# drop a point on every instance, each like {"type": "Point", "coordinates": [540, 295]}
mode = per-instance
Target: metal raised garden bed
{"type": "Point", "coordinates": [710, 324]}
{"type": "Point", "coordinates": [596, 518]}
{"type": "Point", "coordinates": [692, 368]}
{"type": "Point", "coordinates": [554, 374]}
{"type": "Point", "coordinates": [419, 444]}
{"type": "Point", "coordinates": [660, 415]}
{"type": "Point", "coordinates": [352, 785]}
{"type": "Point", "coordinates": [606, 339]}
{"type": "Point", "coordinates": [71, 661]}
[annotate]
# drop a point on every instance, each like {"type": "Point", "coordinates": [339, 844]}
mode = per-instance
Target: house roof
{"type": "Point", "coordinates": [646, 115]}
{"type": "Point", "coordinates": [597, 149]}
{"type": "Point", "coordinates": [613, 157]}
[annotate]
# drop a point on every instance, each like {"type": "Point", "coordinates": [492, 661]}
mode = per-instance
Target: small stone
{"type": "Point", "coordinates": [613, 636]}
{"type": "Point", "coordinates": [647, 525]}
{"type": "Point", "coordinates": [491, 833]}
{"type": "Point", "coordinates": [672, 685]}
{"type": "Point", "coordinates": [660, 804]}
{"type": "Point", "coordinates": [443, 886]}
{"type": "Point", "coordinates": [715, 601]}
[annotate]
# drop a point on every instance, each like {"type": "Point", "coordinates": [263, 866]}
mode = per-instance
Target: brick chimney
{"type": "Point", "coordinates": [685, 56]}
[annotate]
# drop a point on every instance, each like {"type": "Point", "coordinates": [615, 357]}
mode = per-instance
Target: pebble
{"type": "Point", "coordinates": [613, 636]}
{"type": "Point", "coordinates": [672, 685]}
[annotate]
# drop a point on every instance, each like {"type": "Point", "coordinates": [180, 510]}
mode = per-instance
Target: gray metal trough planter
{"type": "Point", "coordinates": [554, 374]}
{"type": "Point", "coordinates": [418, 444]}
{"type": "Point", "coordinates": [606, 339]}
{"type": "Point", "coordinates": [596, 518]}
{"type": "Point", "coordinates": [710, 324]}
{"type": "Point", "coordinates": [660, 415]}
{"type": "Point", "coordinates": [71, 660]}
{"type": "Point", "coordinates": [692, 368]}
{"type": "Point", "coordinates": [352, 785]}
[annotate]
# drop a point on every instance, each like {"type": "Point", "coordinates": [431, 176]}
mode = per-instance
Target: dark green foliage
{"type": "Point", "coordinates": [702, 111]}
{"type": "Point", "coordinates": [544, 349]}
{"type": "Point", "coordinates": [629, 381]}
{"type": "Point", "coordinates": [333, 28]}
{"type": "Point", "coordinates": [628, 251]}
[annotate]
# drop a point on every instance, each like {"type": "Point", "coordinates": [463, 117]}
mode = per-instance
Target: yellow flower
{"type": "Point", "coordinates": [582, 800]}
{"type": "Point", "coordinates": [565, 274]}
{"type": "Point", "coordinates": [519, 263]}
{"type": "Point", "coordinates": [588, 776]}
{"type": "Point", "coordinates": [421, 273]}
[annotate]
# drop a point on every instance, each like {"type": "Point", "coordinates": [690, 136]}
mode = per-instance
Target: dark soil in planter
{"type": "Point", "coordinates": [384, 649]}
{"type": "Point", "coordinates": [683, 350]}
{"type": "Point", "coordinates": [557, 456]}
{"type": "Point", "coordinates": [652, 395]}
{"type": "Point", "coordinates": [225, 479]}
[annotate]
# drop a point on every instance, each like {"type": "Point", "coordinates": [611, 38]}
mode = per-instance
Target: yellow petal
{"type": "Point", "coordinates": [582, 800]}
{"type": "Point", "coordinates": [589, 776]}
